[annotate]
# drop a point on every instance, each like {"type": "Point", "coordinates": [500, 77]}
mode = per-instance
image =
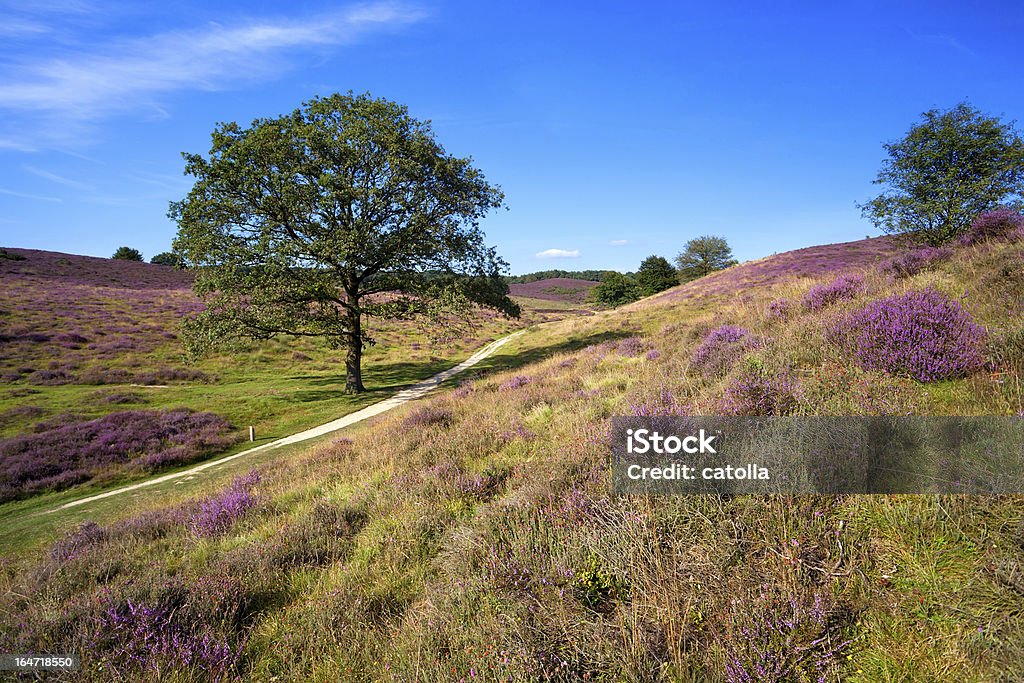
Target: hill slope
{"type": "Point", "coordinates": [474, 537]}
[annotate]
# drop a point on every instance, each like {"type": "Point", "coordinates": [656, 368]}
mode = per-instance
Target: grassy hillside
{"type": "Point", "coordinates": [90, 352]}
{"type": "Point", "coordinates": [472, 536]}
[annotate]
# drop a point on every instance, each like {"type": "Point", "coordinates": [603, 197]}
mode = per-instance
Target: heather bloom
{"type": "Point", "coordinates": [63, 453]}
{"type": "Point", "coordinates": [516, 382]}
{"type": "Point", "coordinates": [632, 346]}
{"type": "Point", "coordinates": [721, 348]}
{"type": "Point", "coordinates": [780, 309]}
{"type": "Point", "coordinates": [427, 416]}
{"type": "Point", "coordinates": [916, 261]}
{"type": "Point", "coordinates": [1001, 223]}
{"type": "Point", "coordinates": [825, 295]}
{"type": "Point", "coordinates": [758, 393]}
{"type": "Point", "coordinates": [218, 513]}
{"type": "Point", "coordinates": [923, 334]}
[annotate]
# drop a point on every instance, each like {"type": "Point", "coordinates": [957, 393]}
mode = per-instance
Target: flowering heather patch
{"type": "Point", "coordinates": [721, 348]}
{"type": "Point", "coordinates": [554, 289]}
{"type": "Point", "coordinates": [780, 309]}
{"type": "Point", "coordinates": [61, 455]}
{"type": "Point", "coordinates": [756, 393]}
{"type": "Point", "coordinates": [916, 261]}
{"type": "Point", "coordinates": [923, 334]}
{"type": "Point", "coordinates": [517, 382]}
{"type": "Point", "coordinates": [665, 404]}
{"type": "Point", "coordinates": [218, 513]}
{"type": "Point", "coordinates": [427, 416]}
{"type": "Point", "coordinates": [178, 624]}
{"type": "Point", "coordinates": [653, 354]}
{"type": "Point", "coordinates": [632, 346]}
{"type": "Point", "coordinates": [824, 295]}
{"type": "Point", "coordinates": [791, 639]}
{"type": "Point", "coordinates": [1001, 224]}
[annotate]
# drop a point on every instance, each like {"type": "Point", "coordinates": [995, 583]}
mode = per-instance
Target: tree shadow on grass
{"type": "Point", "coordinates": [510, 360]}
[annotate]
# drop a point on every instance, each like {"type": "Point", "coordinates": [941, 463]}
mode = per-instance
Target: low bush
{"type": "Point", "coordinates": [1000, 224]}
{"type": "Point", "coordinates": [842, 288]}
{"type": "Point", "coordinates": [922, 334]}
{"type": "Point", "coordinates": [916, 261]}
{"type": "Point", "coordinates": [756, 392]}
{"type": "Point", "coordinates": [721, 348]}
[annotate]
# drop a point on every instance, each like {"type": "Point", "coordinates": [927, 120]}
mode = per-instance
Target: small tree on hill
{"type": "Point", "coordinates": [949, 168]}
{"type": "Point", "coordinates": [656, 274]}
{"type": "Point", "coordinates": [127, 254]}
{"type": "Point", "coordinates": [702, 256]}
{"type": "Point", "coordinates": [167, 258]}
{"type": "Point", "coordinates": [616, 289]}
{"type": "Point", "coordinates": [296, 223]}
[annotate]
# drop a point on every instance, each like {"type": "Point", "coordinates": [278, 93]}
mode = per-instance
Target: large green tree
{"type": "Point", "coordinates": [347, 207]}
{"type": "Point", "coordinates": [704, 255]}
{"type": "Point", "coordinates": [950, 167]}
{"type": "Point", "coordinates": [655, 275]}
{"type": "Point", "coordinates": [616, 289]}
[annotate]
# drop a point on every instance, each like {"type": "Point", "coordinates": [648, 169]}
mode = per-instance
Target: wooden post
{"type": "Point", "coordinates": [252, 433]}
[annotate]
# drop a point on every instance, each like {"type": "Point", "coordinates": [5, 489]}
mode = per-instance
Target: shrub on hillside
{"type": "Point", "coordinates": [757, 393]}
{"type": "Point", "coordinates": [780, 309]}
{"type": "Point", "coordinates": [61, 455]}
{"type": "Point", "coordinates": [721, 348]}
{"type": "Point", "coordinates": [825, 295]}
{"type": "Point", "coordinates": [127, 254]}
{"type": "Point", "coordinates": [219, 512]}
{"type": "Point", "coordinates": [1000, 224]}
{"type": "Point", "coordinates": [922, 334]}
{"type": "Point", "coordinates": [916, 261]}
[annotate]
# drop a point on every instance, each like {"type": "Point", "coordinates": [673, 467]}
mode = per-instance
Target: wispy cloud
{"type": "Point", "coordinates": [619, 243]}
{"type": "Point", "coordinates": [14, 27]}
{"type": "Point", "coordinates": [129, 75]}
{"type": "Point", "coordinates": [25, 195]}
{"type": "Point", "coordinates": [558, 253]}
{"type": "Point", "coordinates": [60, 180]}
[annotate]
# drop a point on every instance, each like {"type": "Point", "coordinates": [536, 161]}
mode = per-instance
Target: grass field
{"type": "Point", "coordinates": [471, 536]}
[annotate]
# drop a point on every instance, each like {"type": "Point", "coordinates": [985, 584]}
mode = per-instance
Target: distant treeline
{"type": "Point", "coordinates": [594, 275]}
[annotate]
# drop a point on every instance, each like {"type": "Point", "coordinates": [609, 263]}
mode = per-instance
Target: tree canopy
{"type": "Point", "coordinates": [127, 254]}
{"type": "Point", "coordinates": [166, 258]}
{"type": "Point", "coordinates": [950, 167]}
{"type": "Point", "coordinates": [656, 274]}
{"type": "Point", "coordinates": [616, 289]}
{"type": "Point", "coordinates": [704, 255]}
{"type": "Point", "coordinates": [347, 207]}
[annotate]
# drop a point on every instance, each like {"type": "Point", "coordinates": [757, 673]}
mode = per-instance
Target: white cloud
{"type": "Point", "coordinates": [619, 243]}
{"type": "Point", "coordinates": [131, 74]}
{"type": "Point", "coordinates": [60, 180]}
{"type": "Point", "coordinates": [25, 195]}
{"type": "Point", "coordinates": [558, 253]}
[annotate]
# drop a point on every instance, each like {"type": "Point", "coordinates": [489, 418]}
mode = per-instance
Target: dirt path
{"type": "Point", "coordinates": [415, 391]}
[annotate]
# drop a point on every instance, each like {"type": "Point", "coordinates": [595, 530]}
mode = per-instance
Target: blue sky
{"type": "Point", "coordinates": [616, 130]}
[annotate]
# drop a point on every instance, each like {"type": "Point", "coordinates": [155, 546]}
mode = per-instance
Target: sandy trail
{"type": "Point", "coordinates": [416, 391]}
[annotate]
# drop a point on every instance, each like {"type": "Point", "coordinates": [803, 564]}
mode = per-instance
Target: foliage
{"type": "Point", "coordinates": [915, 261]}
{"type": "Point", "coordinates": [780, 309]}
{"type": "Point", "coordinates": [591, 275]}
{"type": "Point", "coordinates": [616, 289]}
{"type": "Point", "coordinates": [10, 256]}
{"type": "Point", "coordinates": [597, 588]}
{"type": "Point", "coordinates": [1002, 223]}
{"type": "Point", "coordinates": [167, 258]}
{"type": "Point", "coordinates": [219, 512]}
{"type": "Point", "coordinates": [756, 392]}
{"type": "Point", "coordinates": [347, 207]}
{"type": "Point", "coordinates": [655, 275]}
{"type": "Point", "coordinates": [127, 254]}
{"type": "Point", "coordinates": [702, 256]}
{"type": "Point", "coordinates": [923, 334]}
{"type": "Point", "coordinates": [828, 294]}
{"type": "Point", "coordinates": [59, 455]}
{"type": "Point", "coordinates": [950, 167]}
{"type": "Point", "coordinates": [720, 349]}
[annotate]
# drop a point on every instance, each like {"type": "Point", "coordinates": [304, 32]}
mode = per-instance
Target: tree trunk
{"type": "Point", "coordinates": [354, 353]}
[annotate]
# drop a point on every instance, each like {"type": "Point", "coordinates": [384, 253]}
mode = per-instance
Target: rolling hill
{"type": "Point", "coordinates": [473, 536]}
